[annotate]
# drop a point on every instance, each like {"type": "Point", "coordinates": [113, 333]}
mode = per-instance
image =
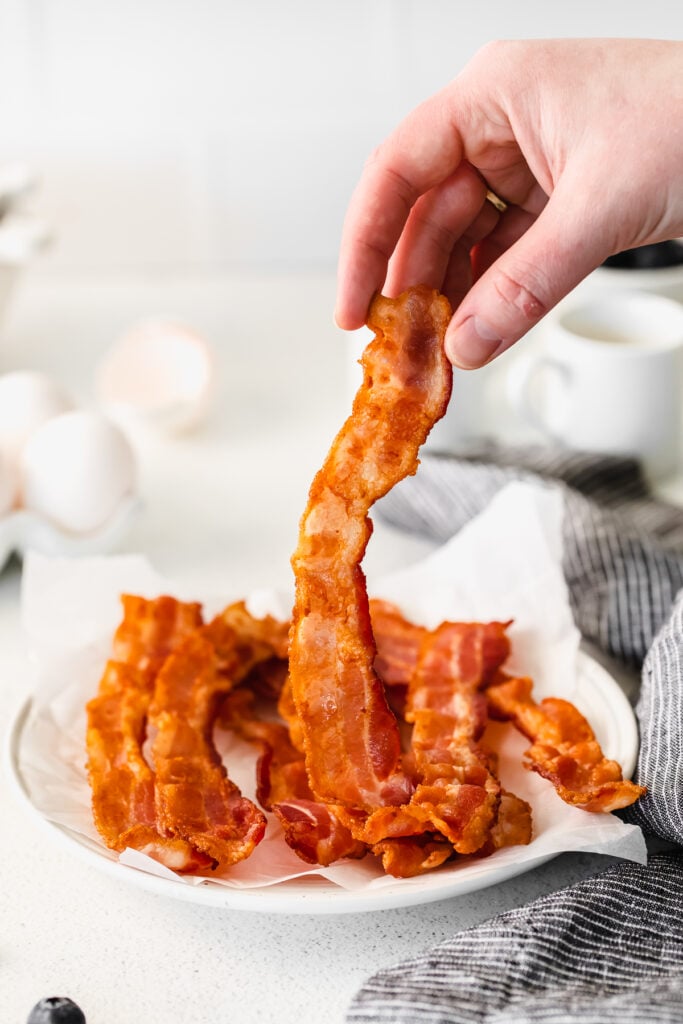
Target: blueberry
{"type": "Point", "coordinates": [56, 1010]}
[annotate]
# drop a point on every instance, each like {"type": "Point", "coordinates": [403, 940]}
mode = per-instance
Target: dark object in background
{"type": "Point", "coordinates": [56, 1010]}
{"type": "Point", "coordinates": [648, 257]}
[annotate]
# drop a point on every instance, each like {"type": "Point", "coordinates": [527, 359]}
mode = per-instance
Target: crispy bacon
{"type": "Point", "coordinates": [121, 781]}
{"type": "Point", "coordinates": [407, 857]}
{"type": "Point", "coordinates": [448, 713]}
{"type": "Point", "coordinates": [195, 799]}
{"type": "Point", "coordinates": [151, 629]}
{"type": "Point", "coordinates": [242, 641]}
{"type": "Point", "coordinates": [350, 735]}
{"type": "Point", "coordinates": [485, 645]}
{"type": "Point", "coordinates": [316, 833]}
{"type": "Point", "coordinates": [513, 825]}
{"type": "Point", "coordinates": [280, 769]}
{"type": "Point", "coordinates": [398, 643]}
{"type": "Point", "coordinates": [457, 795]}
{"type": "Point", "coordinates": [564, 749]}
{"type": "Point", "coordinates": [457, 805]}
{"type": "Point", "coordinates": [311, 829]}
{"type": "Point", "coordinates": [287, 711]}
{"type": "Point", "coordinates": [159, 812]}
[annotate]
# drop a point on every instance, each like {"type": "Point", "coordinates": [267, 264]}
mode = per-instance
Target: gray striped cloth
{"type": "Point", "coordinates": [610, 948]}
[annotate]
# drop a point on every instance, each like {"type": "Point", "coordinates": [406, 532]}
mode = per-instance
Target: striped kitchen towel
{"type": "Point", "coordinates": [610, 948]}
{"type": "Point", "coordinates": [623, 556]}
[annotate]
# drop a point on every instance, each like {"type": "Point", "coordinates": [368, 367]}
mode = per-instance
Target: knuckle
{"type": "Point", "coordinates": [375, 157]}
{"type": "Point", "coordinates": [491, 54]}
{"type": "Point", "coordinates": [521, 298]}
{"type": "Point", "coordinates": [441, 236]}
{"type": "Point", "coordinates": [381, 165]}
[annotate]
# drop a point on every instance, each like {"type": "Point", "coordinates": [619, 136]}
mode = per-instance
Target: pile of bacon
{"type": "Point", "coordinates": [369, 729]}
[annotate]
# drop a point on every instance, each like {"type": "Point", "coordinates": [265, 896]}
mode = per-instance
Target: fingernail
{"type": "Point", "coordinates": [472, 343]}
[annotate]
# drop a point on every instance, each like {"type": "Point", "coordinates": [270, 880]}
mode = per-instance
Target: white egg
{"type": "Point", "coordinates": [161, 371]}
{"type": "Point", "coordinates": [76, 470]}
{"type": "Point", "coordinates": [9, 484]}
{"type": "Point", "coordinates": [27, 400]}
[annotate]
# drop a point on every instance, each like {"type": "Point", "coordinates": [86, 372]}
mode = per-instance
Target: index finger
{"type": "Point", "coordinates": [424, 150]}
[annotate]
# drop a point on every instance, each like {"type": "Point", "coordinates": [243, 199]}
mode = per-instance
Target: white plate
{"type": "Point", "coordinates": [598, 696]}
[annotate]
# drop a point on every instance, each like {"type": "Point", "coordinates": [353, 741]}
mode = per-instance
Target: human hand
{"type": "Point", "coordinates": [584, 141]}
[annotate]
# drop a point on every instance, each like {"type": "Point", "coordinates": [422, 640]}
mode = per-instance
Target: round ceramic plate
{"type": "Point", "coordinates": [598, 696]}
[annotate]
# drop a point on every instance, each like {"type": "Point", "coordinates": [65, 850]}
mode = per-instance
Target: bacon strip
{"type": "Point", "coordinates": [513, 826]}
{"type": "Point", "coordinates": [564, 748]}
{"type": "Point", "coordinates": [151, 629]}
{"type": "Point", "coordinates": [312, 829]}
{"type": "Point", "coordinates": [280, 769]}
{"type": "Point", "coordinates": [399, 641]}
{"type": "Point", "coordinates": [407, 857]}
{"type": "Point", "coordinates": [158, 812]}
{"type": "Point", "coordinates": [194, 797]}
{"type": "Point", "coordinates": [350, 735]}
{"type": "Point", "coordinates": [121, 781]}
{"type": "Point", "coordinates": [457, 795]}
{"type": "Point", "coordinates": [316, 833]}
{"type": "Point", "coordinates": [242, 641]}
{"type": "Point", "coordinates": [448, 713]}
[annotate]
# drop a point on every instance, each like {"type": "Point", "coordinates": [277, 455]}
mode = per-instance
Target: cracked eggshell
{"type": "Point", "coordinates": [76, 470]}
{"type": "Point", "coordinates": [27, 400]}
{"type": "Point", "coordinates": [162, 372]}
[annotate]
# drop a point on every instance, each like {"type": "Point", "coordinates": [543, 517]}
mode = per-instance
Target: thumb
{"type": "Point", "coordinates": [525, 282]}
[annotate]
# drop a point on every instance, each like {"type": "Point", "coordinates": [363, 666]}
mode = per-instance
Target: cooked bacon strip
{"type": "Point", "coordinates": [564, 748]}
{"type": "Point", "coordinates": [127, 808]}
{"type": "Point", "coordinates": [288, 712]}
{"type": "Point", "coordinates": [449, 715]}
{"type": "Point", "coordinates": [310, 828]}
{"type": "Point", "coordinates": [122, 782]}
{"type": "Point", "coordinates": [513, 826]}
{"type": "Point", "coordinates": [398, 643]}
{"type": "Point", "coordinates": [280, 769]}
{"type": "Point", "coordinates": [457, 794]}
{"type": "Point", "coordinates": [239, 639]}
{"type": "Point", "coordinates": [195, 799]}
{"type": "Point", "coordinates": [151, 629]}
{"type": "Point", "coordinates": [405, 858]}
{"type": "Point", "coordinates": [316, 833]}
{"type": "Point", "coordinates": [350, 735]}
{"type": "Point", "coordinates": [485, 645]}
{"type": "Point", "coordinates": [268, 678]}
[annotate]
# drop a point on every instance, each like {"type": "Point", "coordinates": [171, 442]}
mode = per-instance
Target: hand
{"type": "Point", "coordinates": [583, 139]}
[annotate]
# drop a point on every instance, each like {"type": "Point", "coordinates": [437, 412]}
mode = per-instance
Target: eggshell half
{"type": "Point", "coordinates": [161, 371]}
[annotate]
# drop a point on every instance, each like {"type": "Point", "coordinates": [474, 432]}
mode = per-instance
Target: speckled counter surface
{"type": "Point", "coordinates": [220, 515]}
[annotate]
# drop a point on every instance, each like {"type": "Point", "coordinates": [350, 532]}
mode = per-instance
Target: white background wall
{"type": "Point", "coordinates": [202, 134]}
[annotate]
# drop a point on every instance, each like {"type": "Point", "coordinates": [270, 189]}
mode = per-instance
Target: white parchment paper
{"type": "Point", "coordinates": [505, 564]}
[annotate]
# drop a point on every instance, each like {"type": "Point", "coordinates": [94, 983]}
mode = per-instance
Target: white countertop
{"type": "Point", "coordinates": [220, 516]}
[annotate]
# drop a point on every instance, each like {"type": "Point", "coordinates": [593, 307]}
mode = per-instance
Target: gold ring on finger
{"type": "Point", "coordinates": [496, 201]}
